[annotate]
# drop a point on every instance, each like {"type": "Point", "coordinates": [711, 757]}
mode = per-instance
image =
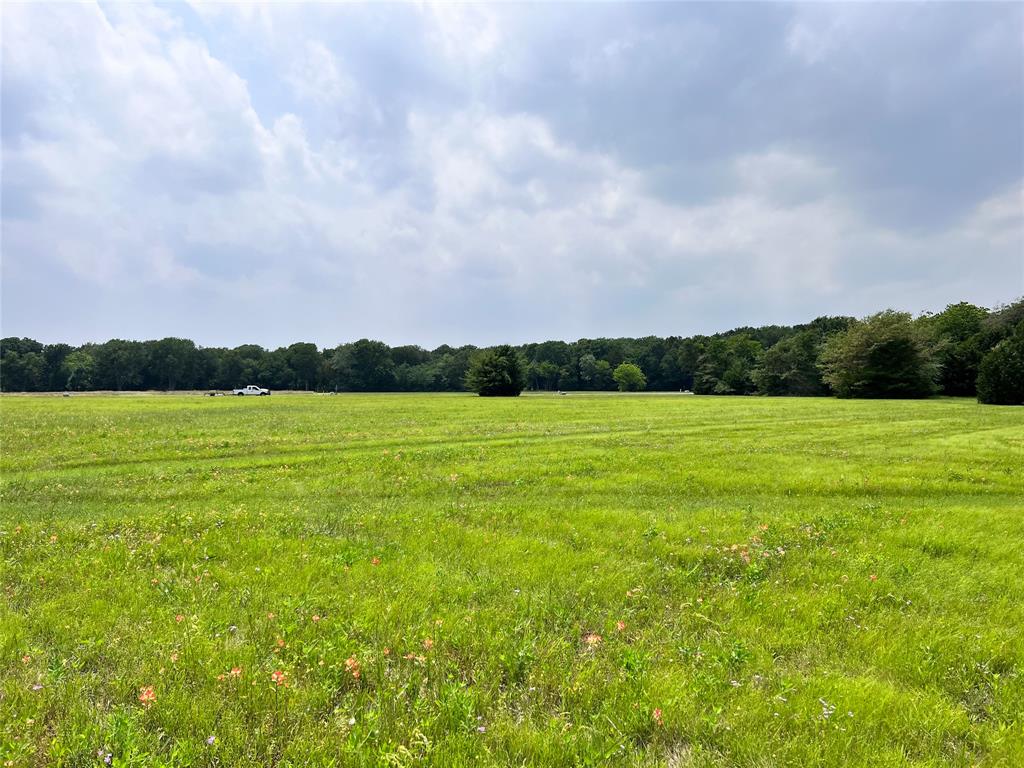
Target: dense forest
{"type": "Point", "coordinates": [890, 354]}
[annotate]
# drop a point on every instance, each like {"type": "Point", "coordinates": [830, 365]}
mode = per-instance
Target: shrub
{"type": "Point", "coordinates": [497, 372]}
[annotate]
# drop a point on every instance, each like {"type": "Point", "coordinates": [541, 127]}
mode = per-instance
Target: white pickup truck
{"type": "Point", "coordinates": [252, 389]}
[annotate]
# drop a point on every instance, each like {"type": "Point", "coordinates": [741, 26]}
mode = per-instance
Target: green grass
{"type": "Point", "coordinates": [801, 582]}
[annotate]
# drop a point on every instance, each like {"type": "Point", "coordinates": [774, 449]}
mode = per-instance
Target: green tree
{"type": "Point", "coordinates": [120, 364]}
{"type": "Point", "coordinates": [240, 366]}
{"type": "Point", "coordinates": [884, 355]}
{"type": "Point", "coordinates": [78, 367]}
{"type": "Point", "coordinates": [726, 366]}
{"type": "Point", "coordinates": [1001, 373]}
{"type": "Point", "coordinates": [629, 377]}
{"type": "Point", "coordinates": [543, 375]}
{"type": "Point", "coordinates": [409, 354]}
{"type": "Point", "coordinates": [594, 374]}
{"type": "Point", "coordinates": [173, 363]}
{"type": "Point", "coordinates": [961, 345]}
{"type": "Point", "coordinates": [453, 364]}
{"type": "Point", "coordinates": [304, 361]}
{"type": "Point", "coordinates": [275, 372]}
{"type": "Point", "coordinates": [424, 377]}
{"type": "Point", "coordinates": [790, 367]}
{"type": "Point", "coordinates": [679, 363]}
{"type": "Point", "coordinates": [22, 365]}
{"type": "Point", "coordinates": [497, 372]}
{"type": "Point", "coordinates": [364, 366]}
{"type": "Point", "coordinates": [54, 354]}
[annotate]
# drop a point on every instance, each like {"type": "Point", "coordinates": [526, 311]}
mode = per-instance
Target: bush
{"type": "Point", "coordinates": [885, 355]}
{"type": "Point", "coordinates": [497, 372]}
{"type": "Point", "coordinates": [1001, 373]}
{"type": "Point", "coordinates": [629, 377]}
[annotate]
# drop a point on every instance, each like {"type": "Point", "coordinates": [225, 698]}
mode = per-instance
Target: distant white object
{"type": "Point", "coordinates": [686, 392]}
{"type": "Point", "coordinates": [251, 389]}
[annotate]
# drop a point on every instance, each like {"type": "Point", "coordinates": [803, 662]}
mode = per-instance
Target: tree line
{"type": "Point", "coordinates": [965, 350]}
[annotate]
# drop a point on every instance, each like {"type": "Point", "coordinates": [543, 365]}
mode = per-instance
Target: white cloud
{"type": "Point", "coordinates": [148, 168]}
{"type": "Point", "coordinates": [999, 220]}
{"type": "Point", "coordinates": [315, 76]}
{"type": "Point", "coordinates": [818, 31]}
{"type": "Point", "coordinates": [782, 174]}
{"type": "Point", "coordinates": [467, 33]}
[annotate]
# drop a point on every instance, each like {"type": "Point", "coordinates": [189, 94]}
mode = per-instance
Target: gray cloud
{"type": "Point", "coordinates": [486, 173]}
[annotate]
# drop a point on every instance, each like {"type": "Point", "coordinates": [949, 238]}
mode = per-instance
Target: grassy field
{"type": "Point", "coordinates": [448, 580]}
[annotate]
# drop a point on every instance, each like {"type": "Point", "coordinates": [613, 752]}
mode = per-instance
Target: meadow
{"type": "Point", "coordinates": [399, 580]}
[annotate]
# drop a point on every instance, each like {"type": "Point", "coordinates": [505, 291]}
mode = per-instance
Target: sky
{"type": "Point", "coordinates": [438, 173]}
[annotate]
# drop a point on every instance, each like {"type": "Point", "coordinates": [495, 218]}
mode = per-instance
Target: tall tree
{"type": "Point", "coordinates": [594, 374]}
{"type": "Point", "coordinates": [364, 366]}
{"type": "Point", "coordinates": [54, 355]}
{"type": "Point", "coordinates": [959, 331]}
{"type": "Point", "coordinates": [726, 366]}
{"type": "Point", "coordinates": [885, 355]}
{"type": "Point", "coordinates": [22, 365]}
{"type": "Point", "coordinates": [173, 363]}
{"type": "Point", "coordinates": [304, 361]}
{"type": "Point", "coordinates": [790, 367]}
{"type": "Point", "coordinates": [78, 368]}
{"type": "Point", "coordinates": [120, 364]}
{"type": "Point", "coordinates": [1001, 373]}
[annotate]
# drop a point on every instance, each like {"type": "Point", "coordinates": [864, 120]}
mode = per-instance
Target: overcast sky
{"type": "Point", "coordinates": [479, 174]}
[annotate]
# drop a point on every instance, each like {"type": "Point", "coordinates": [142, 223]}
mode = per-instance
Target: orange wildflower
{"type": "Point", "coordinates": [352, 667]}
{"type": "Point", "coordinates": [592, 640]}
